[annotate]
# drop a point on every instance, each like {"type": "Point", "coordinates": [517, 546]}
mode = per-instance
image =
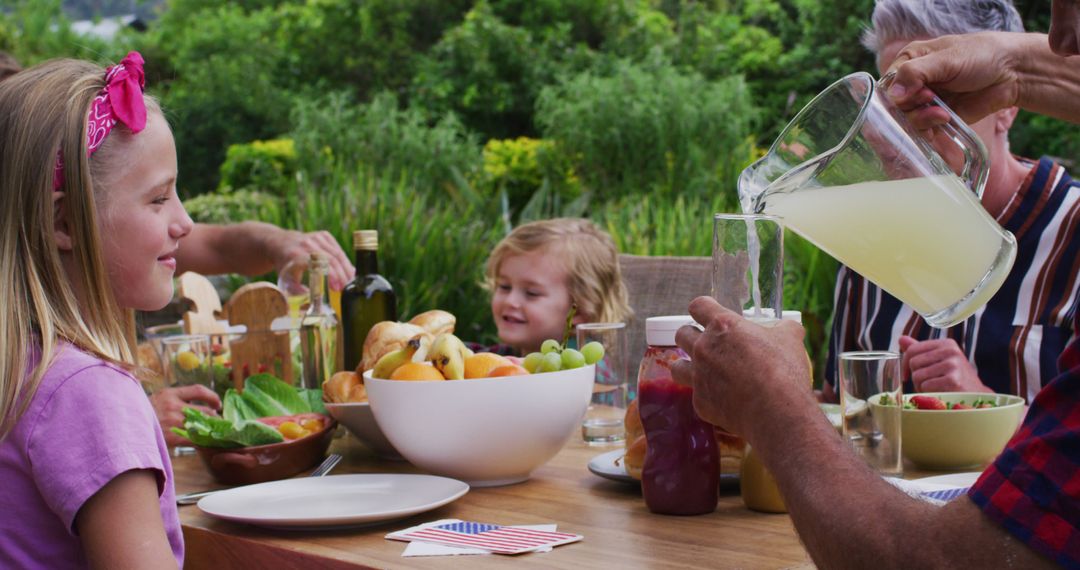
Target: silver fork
{"type": "Point", "coordinates": [329, 463]}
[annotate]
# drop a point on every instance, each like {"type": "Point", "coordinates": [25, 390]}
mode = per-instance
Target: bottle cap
{"type": "Point", "coordinates": [366, 239]}
{"type": "Point", "coordinates": [318, 260]}
{"type": "Point", "coordinates": [660, 331]}
{"type": "Point", "coordinates": [768, 313]}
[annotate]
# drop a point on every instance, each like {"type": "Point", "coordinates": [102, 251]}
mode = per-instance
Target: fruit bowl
{"type": "Point", "coordinates": [958, 439]}
{"type": "Point", "coordinates": [260, 463]}
{"type": "Point", "coordinates": [487, 431]}
{"type": "Point", "coordinates": [358, 419]}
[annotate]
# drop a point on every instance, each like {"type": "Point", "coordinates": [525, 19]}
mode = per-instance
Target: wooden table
{"type": "Point", "coordinates": [619, 531]}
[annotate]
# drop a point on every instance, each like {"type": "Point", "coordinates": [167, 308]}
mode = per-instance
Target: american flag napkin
{"type": "Point", "coordinates": [492, 537]}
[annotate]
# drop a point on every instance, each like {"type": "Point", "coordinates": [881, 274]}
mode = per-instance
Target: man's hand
{"type": "Point", "coordinates": [739, 369]}
{"type": "Point", "coordinates": [287, 245]}
{"type": "Point", "coordinates": [939, 366]}
{"type": "Point", "coordinates": [972, 73]}
{"type": "Point", "coordinates": [169, 403]}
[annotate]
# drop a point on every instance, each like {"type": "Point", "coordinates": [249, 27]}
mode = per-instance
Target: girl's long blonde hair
{"type": "Point", "coordinates": [42, 110]}
{"type": "Point", "coordinates": [589, 256]}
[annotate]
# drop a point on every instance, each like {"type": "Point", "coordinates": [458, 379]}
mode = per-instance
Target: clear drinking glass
{"type": "Point", "coordinates": [613, 389]}
{"type": "Point", "coordinates": [186, 360]}
{"type": "Point", "coordinates": [748, 263]}
{"type": "Point", "coordinates": [871, 425]}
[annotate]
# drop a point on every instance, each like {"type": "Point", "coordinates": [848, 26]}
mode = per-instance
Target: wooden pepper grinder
{"type": "Point", "coordinates": [261, 349]}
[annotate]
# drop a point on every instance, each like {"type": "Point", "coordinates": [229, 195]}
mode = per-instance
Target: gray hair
{"type": "Point", "coordinates": [914, 19]}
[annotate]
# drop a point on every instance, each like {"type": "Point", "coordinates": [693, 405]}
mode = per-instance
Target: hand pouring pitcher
{"type": "Point", "coordinates": [899, 206]}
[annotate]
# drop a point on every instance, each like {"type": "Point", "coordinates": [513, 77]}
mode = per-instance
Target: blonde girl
{"type": "Point", "coordinates": [541, 268]}
{"type": "Point", "coordinates": [89, 227]}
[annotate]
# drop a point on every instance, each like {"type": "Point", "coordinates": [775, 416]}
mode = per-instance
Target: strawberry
{"type": "Point", "coordinates": [985, 405]}
{"type": "Point", "coordinates": [927, 403]}
{"type": "Point", "coordinates": [961, 406]}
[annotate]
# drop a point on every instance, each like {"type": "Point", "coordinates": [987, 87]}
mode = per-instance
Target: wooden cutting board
{"type": "Point", "coordinates": [255, 306]}
{"type": "Point", "coordinates": [206, 305]}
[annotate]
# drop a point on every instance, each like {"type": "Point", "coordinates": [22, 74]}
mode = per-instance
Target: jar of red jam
{"type": "Point", "coordinates": [681, 473]}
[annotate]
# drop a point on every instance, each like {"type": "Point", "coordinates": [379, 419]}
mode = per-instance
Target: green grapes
{"type": "Point", "coordinates": [549, 346]}
{"type": "Point", "coordinates": [532, 361]}
{"type": "Point", "coordinates": [572, 358]}
{"type": "Point", "coordinates": [551, 362]}
{"type": "Point", "coordinates": [593, 352]}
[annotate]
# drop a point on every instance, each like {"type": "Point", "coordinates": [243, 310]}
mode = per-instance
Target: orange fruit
{"type": "Point", "coordinates": [508, 370]}
{"type": "Point", "coordinates": [481, 364]}
{"type": "Point", "coordinates": [416, 371]}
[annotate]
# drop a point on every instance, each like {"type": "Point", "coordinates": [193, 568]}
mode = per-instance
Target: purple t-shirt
{"type": "Point", "coordinates": [88, 422]}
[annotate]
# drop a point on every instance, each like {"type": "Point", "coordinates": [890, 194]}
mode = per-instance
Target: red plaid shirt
{"type": "Point", "coordinates": [1033, 487]}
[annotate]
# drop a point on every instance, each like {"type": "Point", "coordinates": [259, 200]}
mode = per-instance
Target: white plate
{"type": "Point", "coordinates": [947, 481]}
{"type": "Point", "coordinates": [333, 501]}
{"type": "Point", "coordinates": [938, 489]}
{"type": "Point", "coordinates": [610, 466]}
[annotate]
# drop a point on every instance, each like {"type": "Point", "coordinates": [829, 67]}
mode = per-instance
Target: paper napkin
{"type": "Point", "coordinates": [452, 536]}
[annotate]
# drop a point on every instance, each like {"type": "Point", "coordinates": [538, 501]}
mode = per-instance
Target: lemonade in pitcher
{"type": "Point", "coordinates": [851, 175]}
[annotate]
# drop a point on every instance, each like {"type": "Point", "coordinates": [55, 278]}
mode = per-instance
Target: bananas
{"type": "Point", "coordinates": [391, 360]}
{"type": "Point", "coordinates": [448, 353]}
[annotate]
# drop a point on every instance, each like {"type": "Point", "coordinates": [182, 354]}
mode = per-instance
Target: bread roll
{"type": "Point", "coordinates": [636, 445]}
{"type": "Point", "coordinates": [338, 388]}
{"type": "Point", "coordinates": [384, 338]}
{"type": "Point", "coordinates": [435, 322]}
{"type": "Point", "coordinates": [732, 450]}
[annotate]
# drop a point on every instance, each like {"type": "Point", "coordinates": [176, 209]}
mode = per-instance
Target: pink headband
{"type": "Point", "coordinates": [120, 101]}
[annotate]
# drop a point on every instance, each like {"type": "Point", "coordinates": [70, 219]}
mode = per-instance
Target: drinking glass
{"type": "Point", "coordinates": [870, 393]}
{"type": "Point", "coordinates": [613, 388]}
{"type": "Point", "coordinates": [748, 263]}
{"type": "Point", "coordinates": [186, 360]}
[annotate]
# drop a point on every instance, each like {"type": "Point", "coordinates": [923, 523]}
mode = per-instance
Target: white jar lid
{"type": "Point", "coordinates": [768, 313]}
{"type": "Point", "coordinates": [660, 331]}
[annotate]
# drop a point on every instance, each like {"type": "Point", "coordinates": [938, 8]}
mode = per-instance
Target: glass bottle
{"type": "Point", "coordinates": [367, 300]}
{"type": "Point", "coordinates": [756, 485]}
{"type": "Point", "coordinates": [318, 328]}
{"type": "Point", "coordinates": [681, 472]}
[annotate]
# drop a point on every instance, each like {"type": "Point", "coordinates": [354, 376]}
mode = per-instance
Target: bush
{"type": "Point", "coordinates": [433, 251]}
{"type": "Point", "coordinates": [519, 168]}
{"type": "Point", "coordinates": [238, 206]}
{"type": "Point", "coordinates": [332, 133]}
{"type": "Point", "coordinates": [650, 128]}
{"type": "Point", "coordinates": [266, 166]}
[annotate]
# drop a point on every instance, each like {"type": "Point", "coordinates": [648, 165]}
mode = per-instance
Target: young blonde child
{"type": "Point", "coordinates": [90, 224]}
{"type": "Point", "coordinates": [542, 268]}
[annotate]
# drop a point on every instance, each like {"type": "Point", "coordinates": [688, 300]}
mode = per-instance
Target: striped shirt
{"type": "Point", "coordinates": [1015, 340]}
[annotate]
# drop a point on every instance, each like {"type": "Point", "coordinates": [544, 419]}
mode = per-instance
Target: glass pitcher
{"type": "Point", "coordinates": [899, 206]}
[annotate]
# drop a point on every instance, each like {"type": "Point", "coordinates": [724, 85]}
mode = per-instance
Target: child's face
{"type": "Point", "coordinates": [531, 300]}
{"type": "Point", "coordinates": [142, 219]}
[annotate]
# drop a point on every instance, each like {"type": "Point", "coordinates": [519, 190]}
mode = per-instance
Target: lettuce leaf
{"type": "Point", "coordinates": [263, 396]}
{"type": "Point", "coordinates": [236, 408]}
{"type": "Point", "coordinates": [272, 397]}
{"type": "Point", "coordinates": [210, 431]}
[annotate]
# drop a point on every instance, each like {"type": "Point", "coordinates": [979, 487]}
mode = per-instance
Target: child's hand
{"type": "Point", "coordinates": [169, 404]}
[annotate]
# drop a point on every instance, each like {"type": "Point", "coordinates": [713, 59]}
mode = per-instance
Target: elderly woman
{"type": "Point", "coordinates": [1012, 345]}
{"type": "Point", "coordinates": [1022, 512]}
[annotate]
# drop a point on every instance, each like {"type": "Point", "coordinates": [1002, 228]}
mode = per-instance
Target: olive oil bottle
{"type": "Point", "coordinates": [367, 300]}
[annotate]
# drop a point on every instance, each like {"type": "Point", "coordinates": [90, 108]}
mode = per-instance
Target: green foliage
{"type": "Point", "coordinates": [265, 166]}
{"type": "Point", "coordinates": [333, 132]}
{"type": "Point", "coordinates": [432, 250]}
{"type": "Point", "coordinates": [649, 128]}
{"type": "Point", "coordinates": [520, 168]}
{"type": "Point", "coordinates": [226, 68]}
{"type": "Point", "coordinates": [486, 71]}
{"type": "Point", "coordinates": [238, 206]}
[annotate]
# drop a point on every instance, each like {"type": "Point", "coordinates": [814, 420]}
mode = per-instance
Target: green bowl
{"type": "Point", "coordinates": [958, 439]}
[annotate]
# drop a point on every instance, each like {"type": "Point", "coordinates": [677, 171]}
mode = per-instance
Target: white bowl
{"type": "Point", "coordinates": [486, 432]}
{"type": "Point", "coordinates": [358, 419]}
